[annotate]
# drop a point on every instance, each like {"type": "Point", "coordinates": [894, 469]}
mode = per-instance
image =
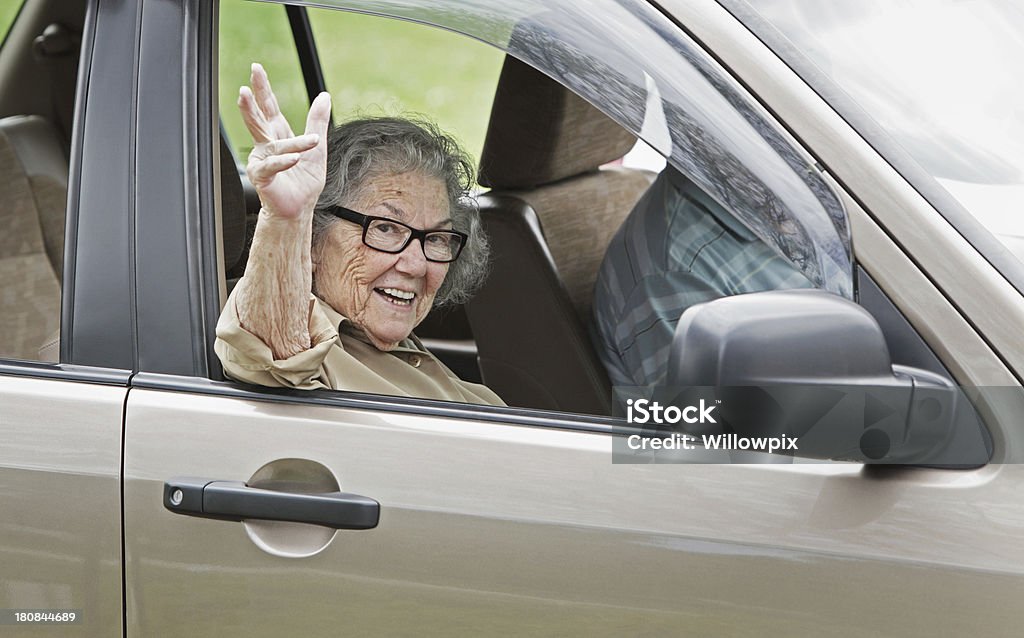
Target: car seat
{"type": "Point", "coordinates": [551, 212]}
{"type": "Point", "coordinates": [34, 172]}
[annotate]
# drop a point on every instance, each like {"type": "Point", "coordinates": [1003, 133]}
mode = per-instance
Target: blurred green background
{"type": "Point", "coordinates": [372, 66]}
{"type": "Point", "coordinates": [8, 9]}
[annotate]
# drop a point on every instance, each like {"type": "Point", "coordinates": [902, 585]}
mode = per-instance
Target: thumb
{"type": "Point", "coordinates": [319, 115]}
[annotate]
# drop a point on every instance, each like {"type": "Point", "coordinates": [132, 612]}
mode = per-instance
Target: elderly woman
{"type": "Point", "coordinates": [360, 233]}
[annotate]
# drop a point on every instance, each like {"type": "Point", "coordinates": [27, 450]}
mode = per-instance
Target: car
{"type": "Point", "coordinates": [146, 494]}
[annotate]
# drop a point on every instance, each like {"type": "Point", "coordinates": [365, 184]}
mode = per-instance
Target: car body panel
{"type": "Point", "coordinates": [60, 534]}
{"type": "Point", "coordinates": [496, 527]}
{"type": "Point", "coordinates": [494, 521]}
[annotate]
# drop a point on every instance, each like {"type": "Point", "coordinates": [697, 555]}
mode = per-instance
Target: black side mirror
{"type": "Point", "coordinates": [815, 367]}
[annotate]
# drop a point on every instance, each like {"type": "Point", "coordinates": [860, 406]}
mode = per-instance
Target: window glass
{"type": "Point", "coordinates": [630, 61]}
{"type": "Point", "coordinates": [947, 95]}
{"type": "Point", "coordinates": [375, 66]}
{"type": "Point", "coordinates": [35, 139]}
{"type": "Point", "coordinates": [738, 170]}
{"type": "Point", "coordinates": [257, 32]}
{"type": "Point", "coordinates": [8, 11]}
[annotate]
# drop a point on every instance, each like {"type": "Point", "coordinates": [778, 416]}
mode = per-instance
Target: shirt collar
{"type": "Point", "coordinates": [693, 192]}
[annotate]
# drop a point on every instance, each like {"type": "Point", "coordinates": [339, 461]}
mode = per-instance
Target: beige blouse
{"type": "Point", "coordinates": [341, 358]}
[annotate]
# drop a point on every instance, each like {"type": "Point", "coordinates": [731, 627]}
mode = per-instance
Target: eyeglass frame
{"type": "Point", "coordinates": [360, 219]}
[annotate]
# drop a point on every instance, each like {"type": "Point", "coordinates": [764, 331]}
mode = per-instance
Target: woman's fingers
{"type": "Point", "coordinates": [277, 149]}
{"type": "Point", "coordinates": [319, 115]}
{"type": "Point", "coordinates": [268, 159]}
{"type": "Point", "coordinates": [291, 145]}
{"type": "Point", "coordinates": [260, 110]}
{"type": "Point", "coordinates": [265, 97]}
{"type": "Point", "coordinates": [258, 126]}
{"type": "Point", "coordinates": [261, 171]}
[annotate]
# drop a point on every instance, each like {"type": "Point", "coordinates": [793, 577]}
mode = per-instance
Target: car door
{"type": "Point", "coordinates": [61, 415]}
{"type": "Point", "coordinates": [502, 521]}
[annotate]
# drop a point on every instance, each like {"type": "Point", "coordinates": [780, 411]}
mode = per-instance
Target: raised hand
{"type": "Point", "coordinates": [272, 300]}
{"type": "Point", "coordinates": [288, 171]}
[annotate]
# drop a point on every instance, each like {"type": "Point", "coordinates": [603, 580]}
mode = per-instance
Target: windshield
{"type": "Point", "coordinates": [942, 77]}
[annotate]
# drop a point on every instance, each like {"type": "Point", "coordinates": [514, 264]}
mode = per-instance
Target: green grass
{"type": "Point", "coordinates": [372, 66]}
{"type": "Point", "coordinates": [8, 9]}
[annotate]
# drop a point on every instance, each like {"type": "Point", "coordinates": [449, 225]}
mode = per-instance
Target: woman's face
{"type": "Point", "coordinates": [387, 295]}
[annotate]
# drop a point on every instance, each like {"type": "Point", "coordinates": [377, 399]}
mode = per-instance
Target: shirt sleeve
{"type": "Point", "coordinates": [245, 357]}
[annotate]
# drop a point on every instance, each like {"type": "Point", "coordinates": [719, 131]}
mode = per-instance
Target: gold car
{"type": "Point", "coordinates": [877, 147]}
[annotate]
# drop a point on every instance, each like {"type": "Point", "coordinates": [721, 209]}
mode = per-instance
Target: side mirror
{"type": "Point", "coordinates": [815, 367]}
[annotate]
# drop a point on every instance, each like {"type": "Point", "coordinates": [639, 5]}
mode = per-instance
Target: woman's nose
{"type": "Point", "coordinates": [412, 261]}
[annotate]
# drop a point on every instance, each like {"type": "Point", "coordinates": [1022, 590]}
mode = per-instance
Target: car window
{"type": "Point", "coordinates": [256, 32]}
{"type": "Point", "coordinates": [945, 97]}
{"type": "Point", "coordinates": [38, 68]}
{"type": "Point", "coordinates": [678, 100]}
{"type": "Point", "coordinates": [550, 141]}
{"type": "Point", "coordinates": [376, 66]}
{"type": "Point", "coordinates": [8, 10]}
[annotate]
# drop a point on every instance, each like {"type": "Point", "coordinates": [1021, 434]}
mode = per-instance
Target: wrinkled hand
{"type": "Point", "coordinates": [288, 171]}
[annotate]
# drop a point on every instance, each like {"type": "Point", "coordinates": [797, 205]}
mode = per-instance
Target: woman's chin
{"type": "Point", "coordinates": [387, 324]}
{"type": "Point", "coordinates": [387, 337]}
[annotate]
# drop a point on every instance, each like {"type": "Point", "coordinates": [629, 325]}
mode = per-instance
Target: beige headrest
{"type": "Point", "coordinates": [541, 132]}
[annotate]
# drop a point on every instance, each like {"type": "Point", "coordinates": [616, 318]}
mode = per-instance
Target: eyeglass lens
{"type": "Point", "coordinates": [390, 236]}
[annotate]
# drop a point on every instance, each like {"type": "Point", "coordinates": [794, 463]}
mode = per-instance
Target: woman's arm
{"type": "Point", "coordinates": [288, 172]}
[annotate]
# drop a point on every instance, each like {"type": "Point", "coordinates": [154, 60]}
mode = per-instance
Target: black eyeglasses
{"type": "Point", "coordinates": [390, 236]}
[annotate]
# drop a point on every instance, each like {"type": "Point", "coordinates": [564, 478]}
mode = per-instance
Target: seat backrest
{"type": "Point", "coordinates": [34, 172]}
{"type": "Point", "coordinates": [550, 213]}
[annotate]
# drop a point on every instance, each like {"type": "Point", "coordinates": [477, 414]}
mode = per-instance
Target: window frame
{"type": "Point", "coordinates": [209, 384]}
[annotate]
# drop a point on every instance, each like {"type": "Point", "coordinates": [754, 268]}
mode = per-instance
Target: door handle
{"type": "Point", "coordinates": [235, 501]}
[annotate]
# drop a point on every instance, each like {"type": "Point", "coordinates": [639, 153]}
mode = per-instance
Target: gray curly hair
{"type": "Point", "coordinates": [359, 150]}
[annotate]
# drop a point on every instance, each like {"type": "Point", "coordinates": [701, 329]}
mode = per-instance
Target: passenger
{"type": "Point", "coordinates": [360, 233]}
{"type": "Point", "coordinates": [677, 248]}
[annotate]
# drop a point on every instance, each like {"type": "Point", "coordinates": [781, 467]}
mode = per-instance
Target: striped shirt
{"type": "Point", "coordinates": [677, 248]}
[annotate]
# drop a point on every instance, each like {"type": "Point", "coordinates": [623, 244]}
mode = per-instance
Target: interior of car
{"type": "Point", "coordinates": [550, 201]}
{"type": "Point", "coordinates": [550, 211]}
{"type": "Point", "coordinates": [38, 67]}
{"type": "Point", "coordinates": [552, 192]}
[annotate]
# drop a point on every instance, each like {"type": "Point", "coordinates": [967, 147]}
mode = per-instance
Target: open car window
{"type": "Point", "coordinates": [257, 32]}
{"type": "Point", "coordinates": [679, 101]}
{"type": "Point", "coordinates": [375, 66]}
{"type": "Point", "coordinates": [528, 339]}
